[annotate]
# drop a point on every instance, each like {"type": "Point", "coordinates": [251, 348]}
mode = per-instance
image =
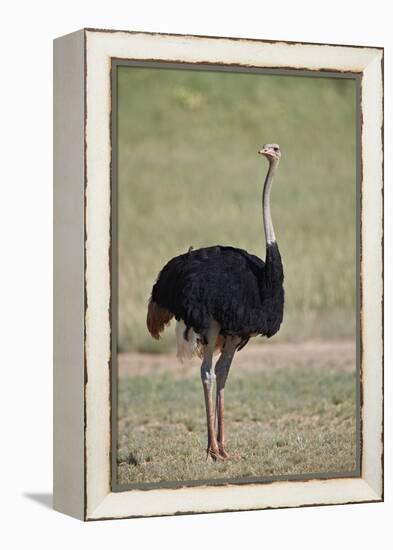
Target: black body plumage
{"type": "Point", "coordinates": [241, 292]}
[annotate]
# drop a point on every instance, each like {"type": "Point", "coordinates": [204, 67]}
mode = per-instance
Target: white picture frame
{"type": "Point", "coordinates": [82, 241]}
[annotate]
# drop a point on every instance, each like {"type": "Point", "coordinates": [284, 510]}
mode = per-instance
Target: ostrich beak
{"type": "Point", "coordinates": [264, 151]}
{"type": "Point", "coordinates": [268, 153]}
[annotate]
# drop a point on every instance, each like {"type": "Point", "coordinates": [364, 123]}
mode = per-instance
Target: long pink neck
{"type": "Point", "coordinates": [267, 217]}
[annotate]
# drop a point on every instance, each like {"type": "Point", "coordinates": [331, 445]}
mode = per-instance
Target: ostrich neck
{"type": "Point", "coordinates": [267, 216]}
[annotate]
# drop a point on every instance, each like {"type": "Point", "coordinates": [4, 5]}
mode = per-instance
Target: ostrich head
{"type": "Point", "coordinates": [271, 151]}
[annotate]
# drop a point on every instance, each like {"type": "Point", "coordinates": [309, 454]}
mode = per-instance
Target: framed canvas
{"type": "Point", "coordinates": [155, 157]}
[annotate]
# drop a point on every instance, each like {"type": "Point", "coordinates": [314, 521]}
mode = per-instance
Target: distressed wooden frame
{"type": "Point", "coordinates": [83, 255]}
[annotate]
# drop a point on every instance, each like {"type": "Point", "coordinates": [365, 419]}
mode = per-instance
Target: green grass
{"type": "Point", "coordinates": [189, 175]}
{"type": "Point", "coordinates": [296, 417]}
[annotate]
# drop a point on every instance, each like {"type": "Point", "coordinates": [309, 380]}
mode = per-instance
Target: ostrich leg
{"type": "Point", "coordinates": [208, 379]}
{"type": "Point", "coordinates": [222, 369]}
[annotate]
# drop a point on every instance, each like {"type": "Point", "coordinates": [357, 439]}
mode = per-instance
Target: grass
{"type": "Point", "coordinates": [189, 175]}
{"type": "Point", "coordinates": [295, 416]}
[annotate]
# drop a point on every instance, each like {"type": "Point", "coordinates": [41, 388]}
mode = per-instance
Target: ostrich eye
{"type": "Point", "coordinates": [275, 148]}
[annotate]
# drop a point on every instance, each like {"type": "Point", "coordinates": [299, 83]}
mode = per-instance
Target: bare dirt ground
{"type": "Point", "coordinates": [337, 354]}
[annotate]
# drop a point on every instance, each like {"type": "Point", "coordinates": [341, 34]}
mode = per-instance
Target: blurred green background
{"type": "Point", "coordinates": [189, 175]}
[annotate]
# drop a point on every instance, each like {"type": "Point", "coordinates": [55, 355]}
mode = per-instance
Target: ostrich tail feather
{"type": "Point", "coordinates": [157, 319]}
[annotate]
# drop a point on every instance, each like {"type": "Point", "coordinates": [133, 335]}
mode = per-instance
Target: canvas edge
{"type": "Point", "coordinates": [371, 275]}
{"type": "Point", "coordinates": [98, 506]}
{"type": "Point", "coordinates": [68, 274]}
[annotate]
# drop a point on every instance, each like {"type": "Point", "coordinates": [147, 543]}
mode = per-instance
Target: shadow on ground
{"type": "Point", "coordinates": [45, 499]}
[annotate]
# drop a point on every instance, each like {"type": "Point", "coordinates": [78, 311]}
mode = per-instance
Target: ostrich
{"type": "Point", "coordinates": [220, 297]}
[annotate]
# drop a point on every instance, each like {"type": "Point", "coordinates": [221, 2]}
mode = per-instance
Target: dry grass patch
{"type": "Point", "coordinates": [294, 417]}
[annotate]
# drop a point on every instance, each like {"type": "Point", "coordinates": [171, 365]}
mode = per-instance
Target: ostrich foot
{"type": "Point", "coordinates": [223, 453]}
{"type": "Point", "coordinates": [213, 452]}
